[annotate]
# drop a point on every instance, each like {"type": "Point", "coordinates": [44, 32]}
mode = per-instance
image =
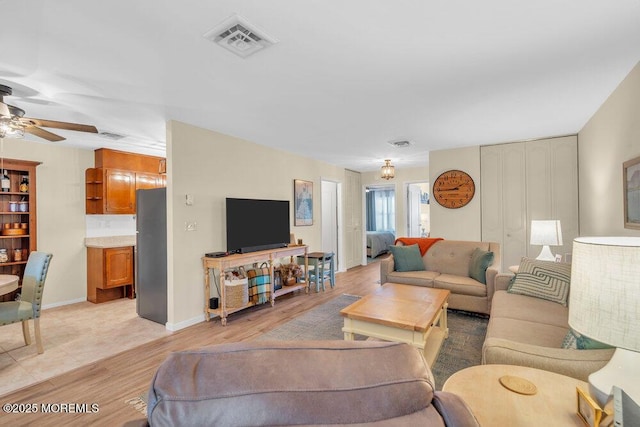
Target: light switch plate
{"type": "Point", "coordinates": [189, 200]}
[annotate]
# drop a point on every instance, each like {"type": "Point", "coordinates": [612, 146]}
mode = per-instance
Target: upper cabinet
{"type": "Point", "coordinates": [111, 186]}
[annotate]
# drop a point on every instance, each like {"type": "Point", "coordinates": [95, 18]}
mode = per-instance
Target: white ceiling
{"type": "Point", "coordinates": [346, 77]}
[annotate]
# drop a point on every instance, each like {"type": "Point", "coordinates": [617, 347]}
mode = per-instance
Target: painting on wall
{"type": "Point", "coordinates": [303, 202]}
{"type": "Point", "coordinates": [631, 182]}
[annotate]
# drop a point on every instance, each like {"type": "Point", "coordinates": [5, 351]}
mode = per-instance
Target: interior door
{"type": "Point", "coordinates": [330, 217]}
{"type": "Point", "coordinates": [413, 210]}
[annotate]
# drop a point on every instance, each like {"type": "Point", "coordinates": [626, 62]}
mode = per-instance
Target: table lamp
{"type": "Point", "coordinates": [546, 233]}
{"type": "Point", "coordinates": [604, 304]}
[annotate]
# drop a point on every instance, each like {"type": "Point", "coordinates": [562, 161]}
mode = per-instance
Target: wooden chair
{"type": "Point", "coordinates": [321, 268]}
{"type": "Point", "coordinates": [28, 307]}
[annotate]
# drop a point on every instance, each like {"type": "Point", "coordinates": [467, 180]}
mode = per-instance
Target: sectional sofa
{"type": "Point", "coordinates": [529, 331]}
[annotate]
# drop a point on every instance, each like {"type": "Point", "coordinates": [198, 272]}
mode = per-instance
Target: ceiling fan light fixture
{"type": "Point", "coordinates": [388, 171]}
{"type": "Point", "coordinates": [11, 128]}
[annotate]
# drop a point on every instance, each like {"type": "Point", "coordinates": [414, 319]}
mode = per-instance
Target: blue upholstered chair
{"type": "Point", "coordinates": [321, 268]}
{"type": "Point", "coordinates": [28, 307]}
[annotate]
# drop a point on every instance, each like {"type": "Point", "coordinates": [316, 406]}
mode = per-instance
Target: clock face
{"type": "Point", "coordinates": [454, 189]}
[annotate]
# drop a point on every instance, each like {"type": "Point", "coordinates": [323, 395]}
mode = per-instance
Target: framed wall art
{"type": "Point", "coordinates": [303, 202]}
{"type": "Point", "coordinates": [631, 184]}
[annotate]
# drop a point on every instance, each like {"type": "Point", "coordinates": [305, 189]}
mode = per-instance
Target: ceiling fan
{"type": "Point", "coordinates": [14, 124]}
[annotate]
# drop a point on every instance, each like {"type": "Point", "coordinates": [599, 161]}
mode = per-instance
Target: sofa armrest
{"type": "Point", "coordinates": [454, 410]}
{"type": "Point", "coordinates": [386, 267]}
{"type": "Point", "coordinates": [502, 281]}
{"type": "Point", "coordinates": [490, 278]}
{"type": "Point", "coordinates": [573, 363]}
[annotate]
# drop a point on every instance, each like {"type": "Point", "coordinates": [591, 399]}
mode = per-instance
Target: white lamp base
{"type": "Point", "coordinates": [545, 254]}
{"type": "Point", "coordinates": [623, 371]}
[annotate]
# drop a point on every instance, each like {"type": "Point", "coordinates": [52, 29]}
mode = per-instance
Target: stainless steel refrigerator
{"type": "Point", "coordinates": [151, 254]}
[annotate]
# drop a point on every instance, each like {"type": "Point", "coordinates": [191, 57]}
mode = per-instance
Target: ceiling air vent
{"type": "Point", "coordinates": [238, 36]}
{"type": "Point", "coordinates": [111, 135]}
{"type": "Point", "coordinates": [400, 144]}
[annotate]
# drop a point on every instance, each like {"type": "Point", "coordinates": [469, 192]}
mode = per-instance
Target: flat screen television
{"type": "Point", "coordinates": [255, 225]}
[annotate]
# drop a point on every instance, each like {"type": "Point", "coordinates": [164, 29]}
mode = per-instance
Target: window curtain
{"type": "Point", "coordinates": [381, 210]}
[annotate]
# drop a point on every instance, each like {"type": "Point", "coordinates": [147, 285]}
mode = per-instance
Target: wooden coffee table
{"type": "Point", "coordinates": [553, 404]}
{"type": "Point", "coordinates": [405, 313]}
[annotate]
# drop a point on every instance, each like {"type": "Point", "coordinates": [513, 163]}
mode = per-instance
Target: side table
{"type": "Point", "coordinates": [554, 404]}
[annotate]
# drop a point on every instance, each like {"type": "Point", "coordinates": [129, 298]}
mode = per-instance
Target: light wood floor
{"type": "Point", "coordinates": [111, 381]}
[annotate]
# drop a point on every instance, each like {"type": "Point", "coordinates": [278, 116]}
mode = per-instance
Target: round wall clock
{"type": "Point", "coordinates": [454, 189]}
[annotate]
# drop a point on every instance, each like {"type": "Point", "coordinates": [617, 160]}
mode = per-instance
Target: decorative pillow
{"type": "Point", "coordinates": [577, 341]}
{"type": "Point", "coordinates": [542, 279]}
{"type": "Point", "coordinates": [480, 261]}
{"type": "Point", "coordinates": [407, 258]}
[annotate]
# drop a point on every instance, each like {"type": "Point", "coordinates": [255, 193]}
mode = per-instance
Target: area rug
{"type": "Point", "coordinates": [462, 349]}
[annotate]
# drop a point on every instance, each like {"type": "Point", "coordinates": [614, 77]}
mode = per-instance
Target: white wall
{"type": "Point", "coordinates": [610, 137]}
{"type": "Point", "coordinates": [462, 223]}
{"type": "Point", "coordinates": [212, 166]}
{"type": "Point", "coordinates": [61, 219]}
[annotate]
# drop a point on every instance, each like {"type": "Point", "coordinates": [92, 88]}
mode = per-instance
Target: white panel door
{"type": "Point", "coordinates": [413, 210]}
{"type": "Point", "coordinates": [330, 217]}
{"type": "Point", "coordinates": [353, 237]}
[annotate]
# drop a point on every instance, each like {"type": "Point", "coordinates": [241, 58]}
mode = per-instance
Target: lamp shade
{"type": "Point", "coordinates": [604, 302]}
{"type": "Point", "coordinates": [546, 233]}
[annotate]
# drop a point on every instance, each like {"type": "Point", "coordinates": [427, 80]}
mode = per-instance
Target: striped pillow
{"type": "Point", "coordinates": [542, 279]}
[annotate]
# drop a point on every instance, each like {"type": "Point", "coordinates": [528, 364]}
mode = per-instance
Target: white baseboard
{"type": "Point", "coordinates": [185, 323]}
{"type": "Point", "coordinates": [60, 304]}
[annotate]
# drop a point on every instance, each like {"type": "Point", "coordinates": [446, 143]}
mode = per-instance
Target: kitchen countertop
{"type": "Point", "coordinates": [110, 241]}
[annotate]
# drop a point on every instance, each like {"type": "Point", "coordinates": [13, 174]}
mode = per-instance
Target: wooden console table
{"type": "Point", "coordinates": [224, 263]}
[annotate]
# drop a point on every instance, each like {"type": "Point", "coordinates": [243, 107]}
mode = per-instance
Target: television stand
{"type": "Point", "coordinates": [219, 265]}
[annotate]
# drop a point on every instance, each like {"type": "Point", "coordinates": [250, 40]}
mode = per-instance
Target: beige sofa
{"type": "Point", "coordinates": [529, 331]}
{"type": "Point", "coordinates": [447, 267]}
{"type": "Point", "coordinates": [301, 383]}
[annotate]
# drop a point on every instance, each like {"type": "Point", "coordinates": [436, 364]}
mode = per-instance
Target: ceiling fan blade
{"type": "Point", "coordinates": [60, 125]}
{"type": "Point", "coordinates": [34, 130]}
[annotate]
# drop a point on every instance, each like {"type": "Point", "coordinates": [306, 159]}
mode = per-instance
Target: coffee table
{"type": "Point", "coordinates": [405, 313]}
{"type": "Point", "coordinates": [554, 404]}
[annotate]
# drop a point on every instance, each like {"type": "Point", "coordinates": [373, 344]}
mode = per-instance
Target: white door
{"type": "Point", "coordinates": [353, 237]}
{"type": "Point", "coordinates": [330, 217]}
{"type": "Point", "coordinates": [413, 210]}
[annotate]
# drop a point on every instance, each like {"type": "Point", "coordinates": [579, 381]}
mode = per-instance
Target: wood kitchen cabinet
{"type": "Point", "coordinates": [111, 186]}
{"type": "Point", "coordinates": [110, 273]}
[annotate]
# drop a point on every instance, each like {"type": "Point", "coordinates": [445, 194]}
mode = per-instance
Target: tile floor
{"type": "Point", "coordinates": [72, 336]}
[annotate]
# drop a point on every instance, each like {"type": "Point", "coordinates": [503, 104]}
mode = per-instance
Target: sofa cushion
{"type": "Point", "coordinates": [532, 309]}
{"type": "Point", "coordinates": [417, 278]}
{"type": "Point", "coordinates": [527, 332]}
{"type": "Point", "coordinates": [452, 256]}
{"type": "Point", "coordinates": [460, 285]}
{"type": "Point", "coordinates": [407, 258]}
{"type": "Point", "coordinates": [543, 279]}
{"type": "Point", "coordinates": [480, 261]}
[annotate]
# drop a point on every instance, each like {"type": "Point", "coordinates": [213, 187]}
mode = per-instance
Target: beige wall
{"type": "Point", "coordinates": [610, 137]}
{"type": "Point", "coordinates": [212, 166]}
{"type": "Point", "coordinates": [463, 223]}
{"type": "Point", "coordinates": [61, 219]}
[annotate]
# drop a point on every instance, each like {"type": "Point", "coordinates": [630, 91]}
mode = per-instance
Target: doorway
{"type": "Point", "coordinates": [418, 218]}
{"type": "Point", "coordinates": [380, 218]}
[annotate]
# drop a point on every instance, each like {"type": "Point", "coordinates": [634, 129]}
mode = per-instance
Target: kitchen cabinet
{"type": "Point", "coordinates": [110, 273]}
{"type": "Point", "coordinates": [111, 186]}
{"type": "Point", "coordinates": [18, 224]}
{"type": "Point", "coordinates": [113, 191]}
